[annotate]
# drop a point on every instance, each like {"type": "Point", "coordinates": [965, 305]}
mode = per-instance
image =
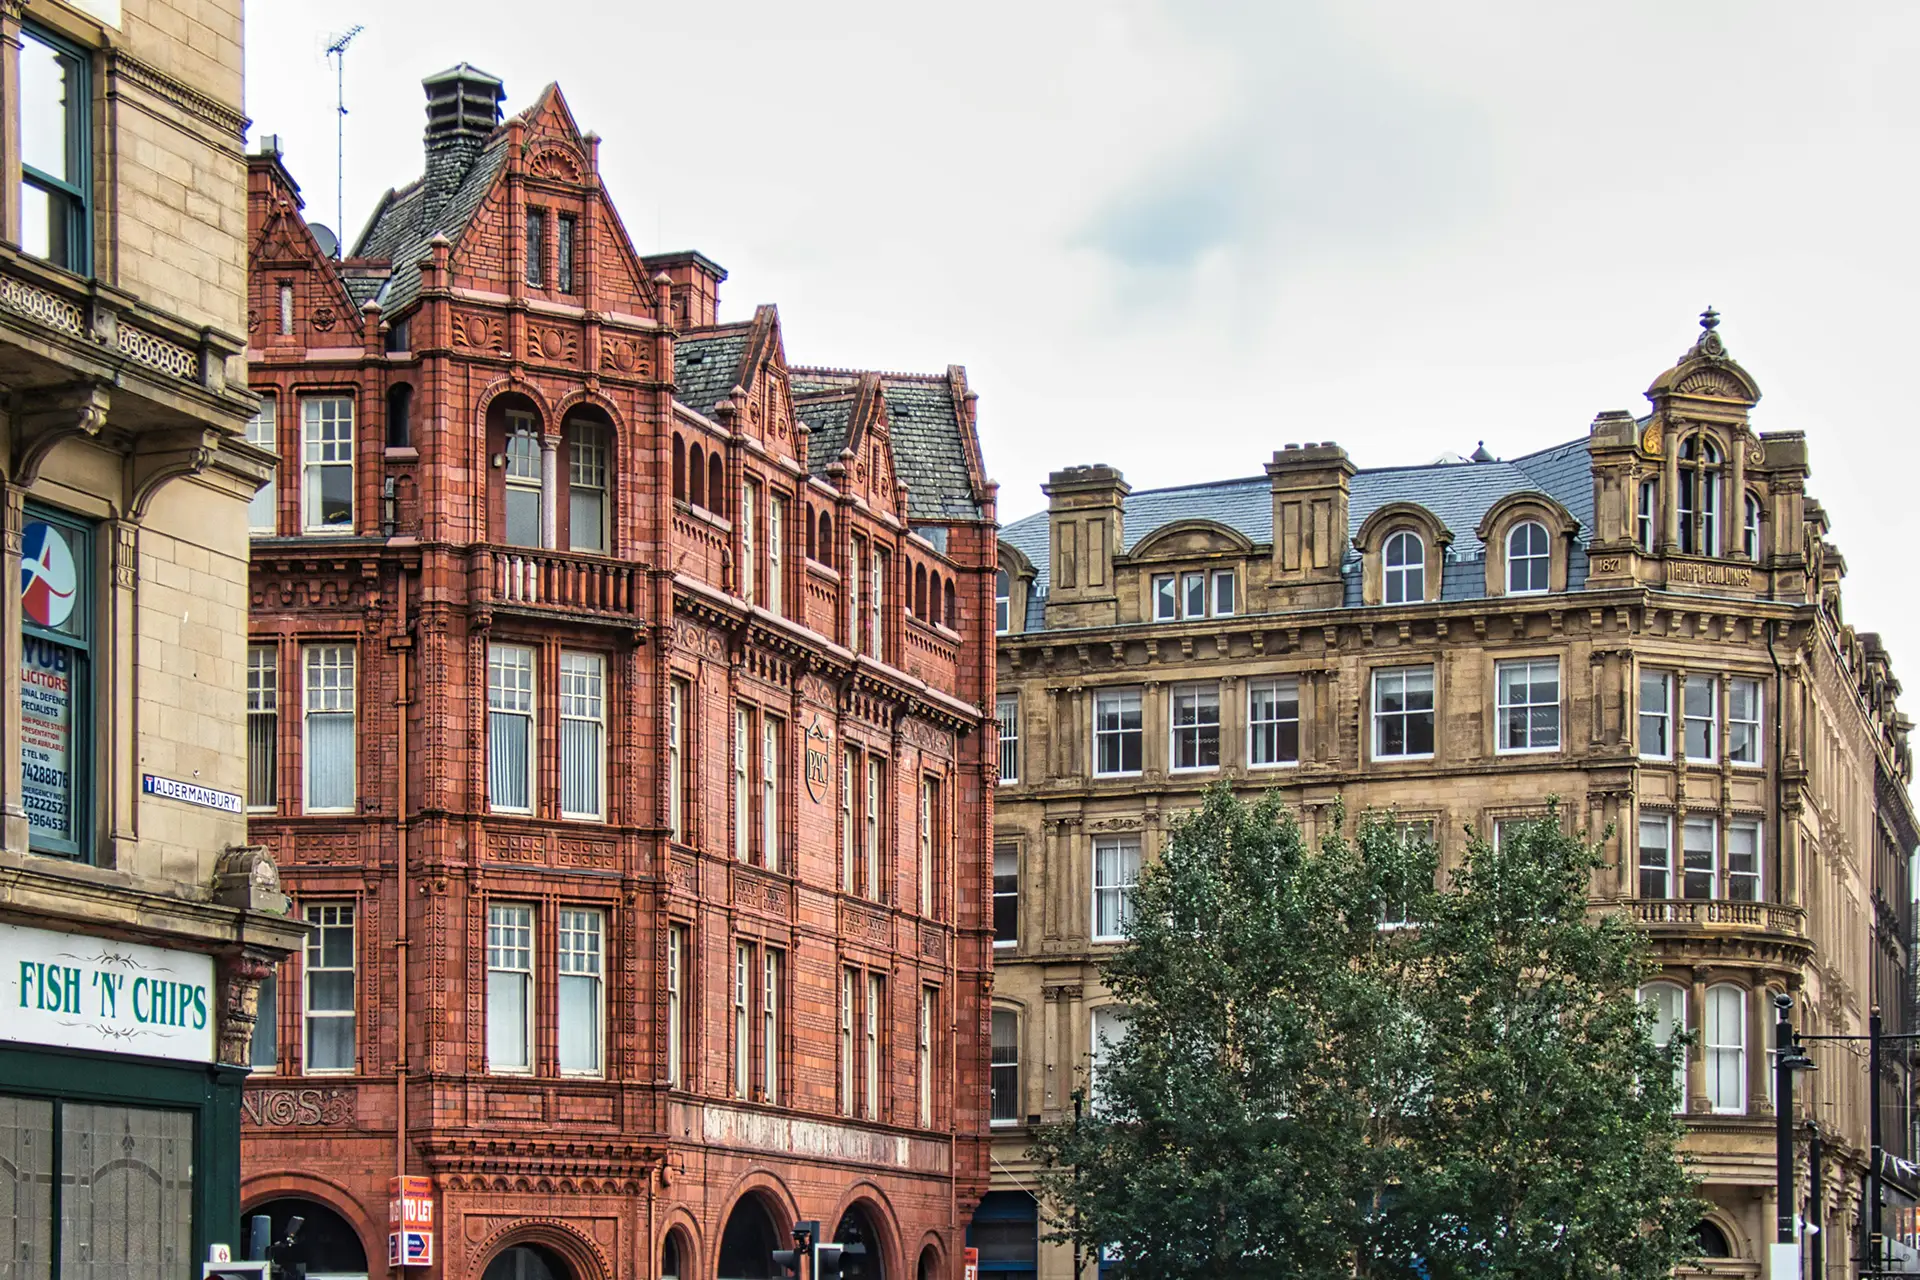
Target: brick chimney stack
{"type": "Point", "coordinates": [696, 286]}
{"type": "Point", "coordinates": [463, 108]}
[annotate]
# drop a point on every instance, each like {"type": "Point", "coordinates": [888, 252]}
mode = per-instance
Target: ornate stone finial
{"type": "Point", "coordinates": [1709, 319]}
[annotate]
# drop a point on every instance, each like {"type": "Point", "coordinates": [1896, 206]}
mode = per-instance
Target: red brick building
{"type": "Point", "coordinates": [615, 702]}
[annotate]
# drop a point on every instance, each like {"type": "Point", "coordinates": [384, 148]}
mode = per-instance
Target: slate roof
{"type": "Point", "coordinates": [400, 231]}
{"type": "Point", "coordinates": [706, 366]}
{"type": "Point", "coordinates": [1458, 494]}
{"type": "Point", "coordinates": [927, 429]}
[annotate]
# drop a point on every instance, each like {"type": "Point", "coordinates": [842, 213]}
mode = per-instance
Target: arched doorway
{"type": "Point", "coordinates": [527, 1262]}
{"type": "Point", "coordinates": [747, 1245]}
{"type": "Point", "coordinates": [857, 1229]}
{"type": "Point", "coordinates": [676, 1258]}
{"type": "Point", "coordinates": [929, 1263]}
{"type": "Point", "coordinates": [325, 1245]}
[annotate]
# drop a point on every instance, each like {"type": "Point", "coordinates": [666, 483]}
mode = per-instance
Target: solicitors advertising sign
{"type": "Point", "coordinates": [49, 672]}
{"type": "Point", "coordinates": [72, 991]}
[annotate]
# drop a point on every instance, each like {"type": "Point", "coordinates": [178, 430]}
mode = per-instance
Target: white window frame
{"type": "Point", "coordinates": [263, 727]}
{"type": "Point", "coordinates": [263, 432]}
{"type": "Point", "coordinates": [742, 1023]}
{"type": "Point", "coordinates": [510, 959]}
{"type": "Point", "coordinates": [325, 915]}
{"type": "Point", "coordinates": [582, 961]}
{"type": "Point", "coordinates": [1193, 587]}
{"type": "Point", "coordinates": [1003, 1058]}
{"type": "Point", "coordinates": [1661, 715]}
{"type": "Point", "coordinates": [1755, 756]}
{"type": "Point", "coordinates": [929, 797]}
{"type": "Point", "coordinates": [1385, 675]}
{"type": "Point", "coordinates": [329, 699]}
{"type": "Point", "coordinates": [777, 555]}
{"type": "Point", "coordinates": [1532, 667]}
{"type": "Point", "coordinates": [770, 738]}
{"type": "Point", "coordinates": [854, 612]}
{"type": "Point", "coordinates": [1166, 597]}
{"type": "Point", "coordinates": [742, 784]}
{"type": "Point", "coordinates": [1408, 576]}
{"type": "Point", "coordinates": [583, 726]}
{"type": "Point", "coordinates": [1660, 825]}
{"type": "Point", "coordinates": [770, 1025]}
{"type": "Point", "coordinates": [1673, 1017]}
{"type": "Point", "coordinates": [929, 1010]}
{"type": "Point", "coordinates": [1115, 883]}
{"type": "Point", "coordinates": [524, 448]}
{"type": "Point", "coordinates": [1011, 851]}
{"type": "Point", "coordinates": [1696, 832]}
{"type": "Point", "coordinates": [850, 774]}
{"type": "Point", "coordinates": [587, 473]}
{"type": "Point", "coordinates": [676, 759]}
{"type": "Point", "coordinates": [1725, 1047]}
{"type": "Point", "coordinates": [1750, 526]}
{"type": "Point", "coordinates": [875, 1002]}
{"type": "Point", "coordinates": [749, 545]}
{"type": "Point", "coordinates": [1002, 602]}
{"type": "Point", "coordinates": [676, 1005]}
{"type": "Point", "coordinates": [876, 602]}
{"type": "Point", "coordinates": [1229, 579]}
{"type": "Point", "coordinates": [1753, 880]}
{"type": "Point", "coordinates": [1101, 1040]}
{"type": "Point", "coordinates": [1647, 516]}
{"type": "Point", "coordinates": [1007, 711]}
{"type": "Point", "coordinates": [512, 681]}
{"type": "Point", "coordinates": [876, 816]}
{"type": "Point", "coordinates": [322, 445]}
{"type": "Point", "coordinates": [1274, 693]}
{"type": "Point", "coordinates": [849, 1076]}
{"type": "Point", "coordinates": [1192, 700]}
{"type": "Point", "coordinates": [1119, 698]}
{"type": "Point", "coordinates": [1544, 556]}
{"type": "Point", "coordinates": [1712, 718]}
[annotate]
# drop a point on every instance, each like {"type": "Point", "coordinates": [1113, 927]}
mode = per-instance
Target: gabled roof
{"type": "Point", "coordinates": [927, 424]}
{"type": "Point", "coordinates": [1457, 493]}
{"type": "Point", "coordinates": [706, 365]}
{"type": "Point", "coordinates": [400, 230]}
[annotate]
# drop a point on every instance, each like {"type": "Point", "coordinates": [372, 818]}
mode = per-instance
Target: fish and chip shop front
{"type": "Point", "coordinates": [119, 1133]}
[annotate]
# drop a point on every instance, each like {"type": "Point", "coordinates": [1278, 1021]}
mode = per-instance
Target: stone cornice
{"type": "Point", "coordinates": [190, 100]}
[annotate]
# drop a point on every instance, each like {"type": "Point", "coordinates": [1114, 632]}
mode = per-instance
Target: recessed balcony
{"type": "Point", "coordinates": [533, 580]}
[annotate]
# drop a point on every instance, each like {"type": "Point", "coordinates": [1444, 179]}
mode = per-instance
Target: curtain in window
{"type": "Point", "coordinates": [330, 760]}
{"type": "Point", "coordinates": [1726, 1037]}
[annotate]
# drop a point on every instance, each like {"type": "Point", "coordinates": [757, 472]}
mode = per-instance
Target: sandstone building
{"type": "Point", "coordinates": [616, 709]}
{"type": "Point", "coordinates": [1645, 622]}
{"type": "Point", "coordinates": [135, 924]}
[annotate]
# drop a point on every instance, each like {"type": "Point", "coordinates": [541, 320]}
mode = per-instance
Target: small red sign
{"type": "Point", "coordinates": [972, 1264]}
{"type": "Point", "coordinates": [410, 1203]}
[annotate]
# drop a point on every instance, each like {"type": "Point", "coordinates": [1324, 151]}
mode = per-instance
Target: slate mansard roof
{"type": "Point", "coordinates": [927, 425]}
{"type": "Point", "coordinates": [1459, 494]}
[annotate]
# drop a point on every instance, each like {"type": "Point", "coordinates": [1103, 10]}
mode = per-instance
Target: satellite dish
{"type": "Point", "coordinates": [329, 242]}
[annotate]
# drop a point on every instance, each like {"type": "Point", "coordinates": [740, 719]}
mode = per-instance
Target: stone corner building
{"type": "Point", "coordinates": [617, 714]}
{"type": "Point", "coordinates": [135, 923]}
{"type": "Point", "coordinates": [1645, 622]}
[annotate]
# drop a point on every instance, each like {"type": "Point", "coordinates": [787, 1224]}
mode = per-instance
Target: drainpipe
{"type": "Point", "coordinates": [1779, 760]}
{"type": "Point", "coordinates": [402, 941]}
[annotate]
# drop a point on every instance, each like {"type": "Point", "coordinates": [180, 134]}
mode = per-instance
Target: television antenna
{"type": "Point", "coordinates": [338, 51]}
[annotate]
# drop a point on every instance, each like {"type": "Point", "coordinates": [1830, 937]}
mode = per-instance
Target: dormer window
{"type": "Point", "coordinates": [1186, 595]}
{"type": "Point", "coordinates": [1405, 561]}
{"type": "Point", "coordinates": [1193, 594]}
{"type": "Point", "coordinates": [1002, 603]}
{"type": "Point", "coordinates": [1529, 559]}
{"type": "Point", "coordinates": [1699, 497]}
{"type": "Point", "coordinates": [1223, 593]}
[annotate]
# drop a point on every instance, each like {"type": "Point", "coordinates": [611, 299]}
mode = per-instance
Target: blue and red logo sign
{"type": "Point", "coordinates": [48, 583]}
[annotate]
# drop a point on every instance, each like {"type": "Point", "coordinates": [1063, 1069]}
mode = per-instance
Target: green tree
{"type": "Point", "coordinates": [1228, 1132]}
{"type": "Point", "coordinates": [1541, 1141]}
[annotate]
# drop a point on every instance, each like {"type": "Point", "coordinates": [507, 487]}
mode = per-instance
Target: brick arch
{"type": "Point", "coordinates": [507, 386]}
{"type": "Point", "coordinates": [680, 1218]}
{"type": "Point", "coordinates": [929, 1243]}
{"type": "Point", "coordinates": [258, 1190]}
{"type": "Point", "coordinates": [870, 1197]}
{"type": "Point", "coordinates": [784, 1207]}
{"type": "Point", "coordinates": [592, 399]}
{"type": "Point", "coordinates": [582, 1256]}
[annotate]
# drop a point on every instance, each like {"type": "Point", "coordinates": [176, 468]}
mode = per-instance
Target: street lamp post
{"type": "Point", "coordinates": [1784, 1257]}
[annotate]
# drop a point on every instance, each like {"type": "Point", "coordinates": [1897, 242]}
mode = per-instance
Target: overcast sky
{"type": "Point", "coordinates": [1173, 235]}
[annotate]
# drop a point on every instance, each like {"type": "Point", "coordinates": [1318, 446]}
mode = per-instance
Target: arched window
{"type": "Point", "coordinates": [1647, 524]}
{"type": "Point", "coordinates": [399, 416]}
{"type": "Point", "coordinates": [1725, 1034]}
{"type": "Point", "coordinates": [1002, 603]}
{"type": "Point", "coordinates": [809, 535]}
{"type": "Point", "coordinates": [1750, 528]}
{"type": "Point", "coordinates": [1405, 562]}
{"type": "Point", "coordinates": [1529, 558]}
{"type": "Point", "coordinates": [1700, 496]}
{"type": "Point", "coordinates": [679, 467]}
{"type": "Point", "coordinates": [1668, 1002]}
{"type": "Point", "coordinates": [952, 614]}
{"type": "Point", "coordinates": [826, 537]}
{"type": "Point", "coordinates": [1004, 1084]}
{"type": "Point", "coordinates": [920, 591]}
{"type": "Point", "coordinates": [523, 479]}
{"type": "Point", "coordinates": [586, 485]}
{"type": "Point", "coordinates": [716, 485]}
{"type": "Point", "coordinates": [527, 1262]}
{"type": "Point", "coordinates": [1711, 1240]}
{"type": "Point", "coordinates": [697, 475]}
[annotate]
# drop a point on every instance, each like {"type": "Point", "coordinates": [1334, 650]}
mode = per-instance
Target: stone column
{"type": "Point", "coordinates": [13, 813]}
{"type": "Point", "coordinates": [549, 490]}
{"type": "Point", "coordinates": [1670, 488]}
{"type": "Point", "coordinates": [1697, 1053]}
